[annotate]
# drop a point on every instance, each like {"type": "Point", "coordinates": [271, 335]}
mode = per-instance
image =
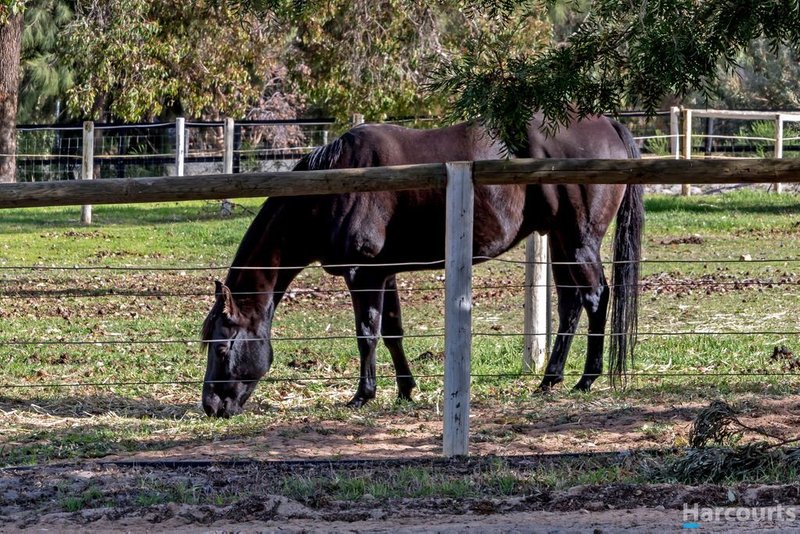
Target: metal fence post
{"type": "Point", "coordinates": [536, 302]}
{"type": "Point", "coordinates": [675, 131]}
{"type": "Point", "coordinates": [779, 146]}
{"type": "Point", "coordinates": [180, 145]}
{"type": "Point", "coordinates": [458, 307]}
{"type": "Point", "coordinates": [87, 166]}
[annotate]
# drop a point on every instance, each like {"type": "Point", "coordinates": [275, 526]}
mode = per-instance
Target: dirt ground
{"type": "Point", "coordinates": [33, 498]}
{"type": "Point", "coordinates": [28, 502]}
{"type": "Point", "coordinates": [564, 424]}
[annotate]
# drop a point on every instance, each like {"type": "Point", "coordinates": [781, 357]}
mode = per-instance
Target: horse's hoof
{"type": "Point", "coordinates": [545, 389]}
{"type": "Point", "coordinates": [583, 385]}
{"type": "Point", "coordinates": [404, 393]}
{"type": "Point", "coordinates": [548, 386]}
{"type": "Point", "coordinates": [404, 397]}
{"type": "Point", "coordinates": [357, 402]}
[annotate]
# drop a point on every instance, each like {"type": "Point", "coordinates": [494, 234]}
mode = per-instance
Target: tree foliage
{"type": "Point", "coordinates": [11, 8]}
{"type": "Point", "coordinates": [141, 60]}
{"type": "Point", "coordinates": [764, 78]}
{"type": "Point", "coordinates": [45, 78]}
{"type": "Point", "coordinates": [625, 53]}
{"type": "Point", "coordinates": [375, 57]}
{"type": "Point", "coordinates": [496, 59]}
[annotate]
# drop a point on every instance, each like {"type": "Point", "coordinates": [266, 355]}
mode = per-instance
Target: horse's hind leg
{"type": "Point", "coordinates": [569, 312]}
{"type": "Point", "coordinates": [392, 332]}
{"type": "Point", "coordinates": [588, 273]}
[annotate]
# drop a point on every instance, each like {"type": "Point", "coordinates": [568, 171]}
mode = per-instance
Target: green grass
{"type": "Point", "coordinates": [132, 402]}
{"type": "Point", "coordinates": [88, 498]}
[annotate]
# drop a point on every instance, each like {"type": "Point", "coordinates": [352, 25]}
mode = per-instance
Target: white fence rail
{"type": "Point", "coordinates": [687, 116]}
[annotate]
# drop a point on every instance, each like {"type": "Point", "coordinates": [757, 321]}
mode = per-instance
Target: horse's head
{"type": "Point", "coordinates": [239, 354]}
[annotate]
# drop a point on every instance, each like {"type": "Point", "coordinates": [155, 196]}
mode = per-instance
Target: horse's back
{"type": "Point", "coordinates": [595, 137]}
{"type": "Point", "coordinates": [576, 211]}
{"type": "Point", "coordinates": [376, 145]}
{"type": "Point", "coordinates": [404, 226]}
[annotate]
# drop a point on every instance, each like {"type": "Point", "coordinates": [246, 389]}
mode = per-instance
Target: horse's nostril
{"type": "Point", "coordinates": [212, 405]}
{"type": "Point", "coordinates": [229, 408]}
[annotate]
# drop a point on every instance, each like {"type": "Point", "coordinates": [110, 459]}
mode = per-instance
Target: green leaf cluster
{"type": "Point", "coordinates": [45, 79]}
{"type": "Point", "coordinates": [376, 58]}
{"type": "Point", "coordinates": [141, 60]}
{"type": "Point", "coordinates": [625, 53]}
{"type": "Point", "coordinates": [11, 8]}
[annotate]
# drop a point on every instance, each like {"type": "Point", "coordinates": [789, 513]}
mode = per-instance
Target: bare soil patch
{"type": "Point", "coordinates": [236, 483]}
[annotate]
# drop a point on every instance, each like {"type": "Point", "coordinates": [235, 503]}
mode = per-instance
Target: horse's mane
{"type": "Point", "coordinates": [324, 157]}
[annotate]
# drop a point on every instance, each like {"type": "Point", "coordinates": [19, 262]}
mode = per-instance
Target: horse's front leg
{"type": "Point", "coordinates": [392, 332]}
{"type": "Point", "coordinates": [366, 292]}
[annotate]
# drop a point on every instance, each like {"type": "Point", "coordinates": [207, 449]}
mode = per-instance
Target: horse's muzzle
{"type": "Point", "coordinates": [214, 406]}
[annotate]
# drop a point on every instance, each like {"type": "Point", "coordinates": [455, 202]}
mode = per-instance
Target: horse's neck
{"type": "Point", "coordinates": [260, 283]}
{"type": "Point", "coordinates": [273, 251]}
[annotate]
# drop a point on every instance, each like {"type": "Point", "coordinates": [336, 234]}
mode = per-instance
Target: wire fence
{"type": "Point", "coordinates": [52, 152]}
{"type": "Point", "coordinates": [30, 288]}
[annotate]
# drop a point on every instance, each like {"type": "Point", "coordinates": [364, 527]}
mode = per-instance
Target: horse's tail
{"type": "Point", "coordinates": [625, 272]}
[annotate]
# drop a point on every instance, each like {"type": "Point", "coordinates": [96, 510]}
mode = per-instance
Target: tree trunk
{"type": "Point", "coordinates": [10, 42]}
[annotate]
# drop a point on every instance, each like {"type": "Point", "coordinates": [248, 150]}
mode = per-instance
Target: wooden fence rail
{"type": "Point", "coordinates": [518, 171]}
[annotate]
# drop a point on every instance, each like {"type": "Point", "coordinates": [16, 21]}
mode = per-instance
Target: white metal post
{"type": "Point", "coordinates": [458, 307]}
{"type": "Point", "coordinates": [675, 131]}
{"type": "Point", "coordinates": [779, 146]}
{"type": "Point", "coordinates": [686, 189]}
{"type": "Point", "coordinates": [536, 303]}
{"type": "Point", "coordinates": [180, 145]}
{"type": "Point", "coordinates": [227, 146]}
{"type": "Point", "coordinates": [87, 166]}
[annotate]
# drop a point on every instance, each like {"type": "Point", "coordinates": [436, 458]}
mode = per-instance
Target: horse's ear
{"type": "Point", "coordinates": [229, 308]}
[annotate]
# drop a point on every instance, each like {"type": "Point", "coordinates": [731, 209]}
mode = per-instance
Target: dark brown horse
{"type": "Point", "coordinates": [373, 231]}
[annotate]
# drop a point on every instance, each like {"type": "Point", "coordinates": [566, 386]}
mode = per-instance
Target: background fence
{"type": "Point", "coordinates": [50, 152]}
{"type": "Point", "coordinates": [46, 153]}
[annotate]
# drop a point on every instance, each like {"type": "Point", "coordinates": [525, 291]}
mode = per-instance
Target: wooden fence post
{"type": "Point", "coordinates": [87, 166]}
{"type": "Point", "coordinates": [226, 206]}
{"type": "Point", "coordinates": [180, 145]}
{"type": "Point", "coordinates": [357, 119]}
{"type": "Point", "coordinates": [458, 307]}
{"type": "Point", "coordinates": [779, 146]}
{"type": "Point", "coordinates": [536, 327]}
{"type": "Point", "coordinates": [686, 189]}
